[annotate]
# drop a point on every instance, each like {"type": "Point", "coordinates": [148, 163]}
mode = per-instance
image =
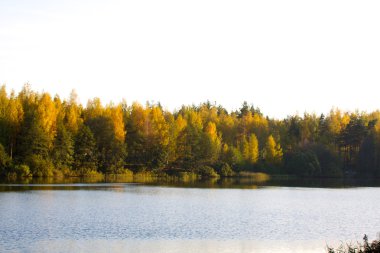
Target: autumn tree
{"type": "Point", "coordinates": [272, 151]}
{"type": "Point", "coordinates": [211, 144]}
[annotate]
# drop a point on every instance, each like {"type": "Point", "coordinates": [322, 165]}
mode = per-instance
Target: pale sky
{"type": "Point", "coordinates": [285, 56]}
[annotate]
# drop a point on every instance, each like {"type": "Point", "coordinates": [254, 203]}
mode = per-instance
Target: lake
{"type": "Point", "coordinates": [129, 217]}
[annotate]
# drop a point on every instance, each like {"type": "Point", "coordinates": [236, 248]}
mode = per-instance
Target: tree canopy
{"type": "Point", "coordinates": [44, 135]}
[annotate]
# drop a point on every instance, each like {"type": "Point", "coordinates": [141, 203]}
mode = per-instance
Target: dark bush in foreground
{"type": "Point", "coordinates": [225, 170]}
{"type": "Point", "coordinates": [366, 247]}
{"type": "Point", "coordinates": [207, 172]}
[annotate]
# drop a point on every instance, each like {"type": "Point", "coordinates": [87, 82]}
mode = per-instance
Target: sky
{"type": "Point", "coordinates": [285, 57]}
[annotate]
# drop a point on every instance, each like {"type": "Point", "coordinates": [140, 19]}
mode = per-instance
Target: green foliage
{"type": "Point", "coordinates": [5, 161]}
{"type": "Point", "coordinates": [234, 157]}
{"type": "Point", "coordinates": [313, 160]}
{"type": "Point", "coordinates": [366, 163]}
{"type": "Point", "coordinates": [206, 172]}
{"type": "Point", "coordinates": [22, 170]}
{"type": "Point", "coordinates": [85, 151]}
{"type": "Point", "coordinates": [328, 160]}
{"type": "Point", "coordinates": [63, 151]}
{"type": "Point", "coordinates": [226, 170]}
{"type": "Point", "coordinates": [55, 137]}
{"type": "Point", "coordinates": [39, 165]}
{"type": "Point", "coordinates": [303, 162]}
{"type": "Point", "coordinates": [34, 142]}
{"type": "Point", "coordinates": [110, 151]}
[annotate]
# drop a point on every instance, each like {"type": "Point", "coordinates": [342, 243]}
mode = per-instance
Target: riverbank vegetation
{"type": "Point", "coordinates": [45, 136]}
{"type": "Point", "coordinates": [365, 247]}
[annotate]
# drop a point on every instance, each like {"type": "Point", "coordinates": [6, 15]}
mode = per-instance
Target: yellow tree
{"type": "Point", "coordinates": [15, 115]}
{"type": "Point", "coordinates": [73, 120]}
{"type": "Point", "coordinates": [137, 130]}
{"type": "Point", "coordinates": [253, 147]}
{"type": "Point", "coordinates": [228, 127]}
{"type": "Point", "coordinates": [94, 109]}
{"type": "Point", "coordinates": [250, 149]}
{"type": "Point", "coordinates": [189, 148]}
{"type": "Point", "coordinates": [244, 148]}
{"type": "Point", "coordinates": [47, 115]}
{"type": "Point", "coordinates": [260, 126]}
{"type": "Point", "coordinates": [177, 138]}
{"type": "Point", "coordinates": [4, 101]}
{"type": "Point", "coordinates": [272, 151]}
{"type": "Point", "coordinates": [213, 143]}
{"type": "Point", "coordinates": [158, 138]}
{"type": "Point", "coordinates": [116, 114]}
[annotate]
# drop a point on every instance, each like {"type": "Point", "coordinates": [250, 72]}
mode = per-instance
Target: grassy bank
{"type": "Point", "coordinates": [128, 176]}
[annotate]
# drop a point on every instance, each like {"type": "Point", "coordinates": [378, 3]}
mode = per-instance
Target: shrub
{"type": "Point", "coordinates": [366, 247]}
{"type": "Point", "coordinates": [22, 170]}
{"type": "Point", "coordinates": [207, 172]}
{"type": "Point", "coordinates": [40, 166]}
{"type": "Point", "coordinates": [303, 163]}
{"type": "Point", "coordinates": [226, 171]}
{"type": "Point", "coordinates": [328, 160]}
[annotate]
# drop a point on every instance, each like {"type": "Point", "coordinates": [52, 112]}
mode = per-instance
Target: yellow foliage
{"type": "Point", "coordinates": [273, 152]}
{"type": "Point", "coordinates": [211, 131]}
{"type": "Point", "coordinates": [139, 117]}
{"type": "Point", "coordinates": [73, 119]}
{"type": "Point", "coordinates": [15, 113]}
{"type": "Point", "coordinates": [47, 115]}
{"type": "Point", "coordinates": [253, 147]}
{"type": "Point", "coordinates": [181, 123]}
{"type": "Point", "coordinates": [116, 114]}
{"type": "Point", "coordinates": [160, 128]}
{"type": "Point", "coordinates": [94, 108]}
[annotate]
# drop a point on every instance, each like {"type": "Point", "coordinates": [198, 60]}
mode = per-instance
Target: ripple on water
{"type": "Point", "coordinates": [185, 218]}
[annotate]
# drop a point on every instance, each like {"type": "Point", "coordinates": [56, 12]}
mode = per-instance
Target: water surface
{"type": "Point", "coordinates": [124, 217]}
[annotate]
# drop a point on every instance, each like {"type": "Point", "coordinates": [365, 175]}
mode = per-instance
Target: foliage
{"type": "Point", "coordinates": [272, 151]}
{"type": "Point", "coordinates": [85, 152]}
{"type": "Point", "coordinates": [225, 170]}
{"type": "Point", "coordinates": [53, 136]}
{"type": "Point", "coordinates": [303, 163]}
{"type": "Point", "coordinates": [22, 170]}
{"type": "Point", "coordinates": [5, 161]}
{"type": "Point", "coordinates": [39, 165]}
{"type": "Point", "coordinates": [312, 160]}
{"type": "Point", "coordinates": [365, 247]}
{"type": "Point", "coordinates": [63, 151]}
{"type": "Point", "coordinates": [206, 172]}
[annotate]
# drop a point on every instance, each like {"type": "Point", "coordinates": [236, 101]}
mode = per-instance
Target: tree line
{"type": "Point", "coordinates": [41, 135]}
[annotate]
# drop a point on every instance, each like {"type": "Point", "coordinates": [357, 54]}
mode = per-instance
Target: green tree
{"type": "Point", "coordinates": [36, 150]}
{"type": "Point", "coordinates": [63, 151]}
{"type": "Point", "coordinates": [85, 157]}
{"type": "Point", "coordinates": [303, 163]}
{"type": "Point", "coordinates": [111, 152]}
{"type": "Point", "coordinates": [5, 161]}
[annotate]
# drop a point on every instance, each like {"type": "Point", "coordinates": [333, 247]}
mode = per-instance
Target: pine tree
{"type": "Point", "coordinates": [63, 151]}
{"type": "Point", "coordinates": [85, 157]}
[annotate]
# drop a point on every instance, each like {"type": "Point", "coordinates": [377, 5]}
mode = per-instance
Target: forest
{"type": "Point", "coordinates": [45, 136]}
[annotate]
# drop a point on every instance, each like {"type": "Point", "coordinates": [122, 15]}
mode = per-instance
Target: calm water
{"type": "Point", "coordinates": [125, 217]}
